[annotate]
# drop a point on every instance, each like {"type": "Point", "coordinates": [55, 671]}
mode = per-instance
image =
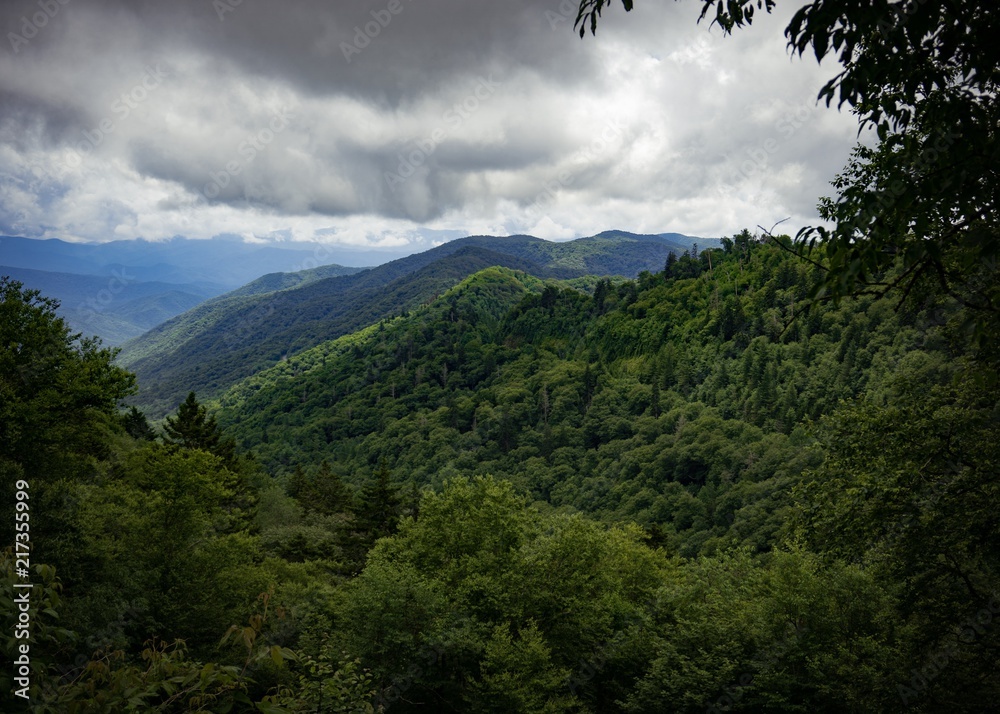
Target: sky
{"type": "Point", "coordinates": [376, 124]}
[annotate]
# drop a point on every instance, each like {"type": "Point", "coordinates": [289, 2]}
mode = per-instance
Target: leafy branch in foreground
{"type": "Point", "coordinates": [924, 76]}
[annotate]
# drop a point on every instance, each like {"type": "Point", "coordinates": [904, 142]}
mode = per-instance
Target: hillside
{"type": "Point", "coordinates": [674, 402]}
{"type": "Point", "coordinates": [608, 253]}
{"type": "Point", "coordinates": [273, 282]}
{"type": "Point", "coordinates": [679, 493]}
{"type": "Point", "coordinates": [115, 308]}
{"type": "Point", "coordinates": [118, 306]}
{"type": "Point", "coordinates": [240, 333]}
{"type": "Point", "coordinates": [804, 480]}
{"type": "Point", "coordinates": [237, 337]}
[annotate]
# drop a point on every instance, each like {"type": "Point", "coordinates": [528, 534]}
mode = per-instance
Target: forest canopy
{"type": "Point", "coordinates": [762, 478]}
{"type": "Point", "coordinates": [679, 491]}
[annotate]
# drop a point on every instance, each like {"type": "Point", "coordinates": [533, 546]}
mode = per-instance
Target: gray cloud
{"type": "Point", "coordinates": [363, 121]}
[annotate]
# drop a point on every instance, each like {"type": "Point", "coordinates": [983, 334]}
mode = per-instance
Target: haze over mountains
{"type": "Point", "coordinates": [226, 262]}
{"type": "Point", "coordinates": [114, 307]}
{"type": "Point", "coordinates": [120, 289]}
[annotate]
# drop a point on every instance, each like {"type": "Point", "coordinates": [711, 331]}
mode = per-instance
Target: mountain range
{"type": "Point", "coordinates": [120, 289]}
{"type": "Point", "coordinates": [582, 493]}
{"type": "Point", "coordinates": [230, 337]}
{"type": "Point", "coordinates": [114, 307]}
{"type": "Point", "coordinates": [227, 263]}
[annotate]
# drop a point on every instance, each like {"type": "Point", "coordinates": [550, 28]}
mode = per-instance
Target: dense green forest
{"type": "Point", "coordinates": [646, 401]}
{"type": "Point", "coordinates": [224, 340]}
{"type": "Point", "coordinates": [494, 477]}
{"type": "Point", "coordinates": [686, 492]}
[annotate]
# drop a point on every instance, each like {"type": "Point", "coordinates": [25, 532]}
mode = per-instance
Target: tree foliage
{"type": "Point", "coordinates": [676, 494]}
{"type": "Point", "coordinates": [919, 210]}
{"type": "Point", "coordinates": [192, 428]}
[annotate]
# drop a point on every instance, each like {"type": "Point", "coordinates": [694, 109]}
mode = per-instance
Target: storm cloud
{"type": "Point", "coordinates": [365, 123]}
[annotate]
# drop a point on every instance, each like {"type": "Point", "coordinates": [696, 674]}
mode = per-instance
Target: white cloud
{"type": "Point", "coordinates": [501, 123]}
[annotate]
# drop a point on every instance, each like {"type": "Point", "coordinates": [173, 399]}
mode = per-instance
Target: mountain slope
{"type": "Point", "coordinates": [239, 333]}
{"type": "Point", "coordinates": [608, 253]}
{"type": "Point", "coordinates": [255, 332]}
{"type": "Point", "coordinates": [477, 304]}
{"type": "Point", "coordinates": [674, 401]}
{"type": "Point", "coordinates": [115, 308]}
{"type": "Point", "coordinates": [273, 282]}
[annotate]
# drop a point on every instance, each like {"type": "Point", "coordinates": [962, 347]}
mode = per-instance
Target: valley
{"type": "Point", "coordinates": [483, 475]}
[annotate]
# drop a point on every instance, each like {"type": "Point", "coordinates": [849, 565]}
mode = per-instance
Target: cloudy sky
{"type": "Point", "coordinates": [372, 123]}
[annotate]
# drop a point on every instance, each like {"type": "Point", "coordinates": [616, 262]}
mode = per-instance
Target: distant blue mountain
{"type": "Point", "coordinates": [114, 307]}
{"type": "Point", "coordinates": [223, 262]}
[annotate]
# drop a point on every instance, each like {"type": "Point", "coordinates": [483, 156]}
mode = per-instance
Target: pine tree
{"type": "Point", "coordinates": [137, 426]}
{"type": "Point", "coordinates": [601, 294]}
{"type": "Point", "coordinates": [379, 507]}
{"type": "Point", "coordinates": [668, 269]}
{"type": "Point", "coordinates": [329, 493]}
{"type": "Point", "coordinates": [192, 428]}
{"type": "Point", "coordinates": [299, 487]}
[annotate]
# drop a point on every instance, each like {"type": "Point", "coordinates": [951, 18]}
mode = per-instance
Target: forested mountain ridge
{"type": "Point", "coordinates": [272, 282]}
{"type": "Point", "coordinates": [674, 401]}
{"type": "Point", "coordinates": [701, 499]}
{"type": "Point", "coordinates": [216, 344]}
{"type": "Point", "coordinates": [246, 334]}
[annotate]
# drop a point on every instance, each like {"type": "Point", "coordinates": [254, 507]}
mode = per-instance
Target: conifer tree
{"type": "Point", "coordinates": [330, 494]}
{"type": "Point", "coordinates": [668, 268]}
{"type": "Point", "coordinates": [192, 428]}
{"type": "Point", "coordinates": [137, 425]}
{"type": "Point", "coordinates": [601, 294]}
{"type": "Point", "coordinates": [299, 486]}
{"type": "Point", "coordinates": [379, 507]}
